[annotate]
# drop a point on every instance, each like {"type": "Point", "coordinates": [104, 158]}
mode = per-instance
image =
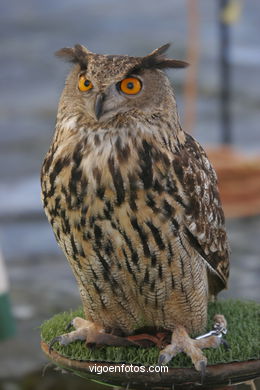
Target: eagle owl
{"type": "Point", "coordinates": [134, 204]}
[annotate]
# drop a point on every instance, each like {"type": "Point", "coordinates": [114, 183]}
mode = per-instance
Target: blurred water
{"type": "Point", "coordinates": [31, 80]}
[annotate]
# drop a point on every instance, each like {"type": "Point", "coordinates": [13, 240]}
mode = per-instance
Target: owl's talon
{"type": "Point", "coordinates": [225, 344]}
{"type": "Point", "coordinates": [168, 353]}
{"type": "Point", "coordinates": [53, 341]}
{"type": "Point", "coordinates": [92, 334]}
{"type": "Point", "coordinates": [181, 342]}
{"type": "Point", "coordinates": [202, 369]}
{"type": "Point", "coordinates": [69, 326]}
{"type": "Point", "coordinates": [163, 359]}
{"type": "Point", "coordinates": [63, 339]}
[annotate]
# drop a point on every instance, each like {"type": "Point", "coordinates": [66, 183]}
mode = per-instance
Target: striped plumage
{"type": "Point", "coordinates": [133, 201]}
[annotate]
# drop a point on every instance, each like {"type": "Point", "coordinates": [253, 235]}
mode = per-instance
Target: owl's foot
{"type": "Point", "coordinates": [91, 333]}
{"type": "Point", "coordinates": [181, 342]}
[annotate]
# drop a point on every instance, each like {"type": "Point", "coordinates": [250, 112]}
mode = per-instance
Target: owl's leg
{"type": "Point", "coordinates": [181, 342]}
{"type": "Point", "coordinates": [91, 333]}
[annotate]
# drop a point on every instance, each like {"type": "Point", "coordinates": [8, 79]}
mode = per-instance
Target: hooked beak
{"type": "Point", "coordinates": [98, 105]}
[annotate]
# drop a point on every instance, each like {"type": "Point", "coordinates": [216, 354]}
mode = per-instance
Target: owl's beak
{"type": "Point", "coordinates": [98, 105]}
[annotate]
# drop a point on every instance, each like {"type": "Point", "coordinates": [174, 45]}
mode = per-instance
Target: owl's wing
{"type": "Point", "coordinates": [203, 215]}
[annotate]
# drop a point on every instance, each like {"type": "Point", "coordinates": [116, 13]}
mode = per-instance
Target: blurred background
{"type": "Point", "coordinates": [40, 280]}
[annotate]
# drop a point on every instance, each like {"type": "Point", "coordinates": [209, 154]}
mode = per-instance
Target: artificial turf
{"type": "Point", "coordinates": [242, 337]}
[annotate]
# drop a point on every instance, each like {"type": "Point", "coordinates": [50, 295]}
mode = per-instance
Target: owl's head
{"type": "Point", "coordinates": [103, 86]}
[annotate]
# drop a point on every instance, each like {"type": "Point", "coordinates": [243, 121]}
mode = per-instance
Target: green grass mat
{"type": "Point", "coordinates": [243, 338]}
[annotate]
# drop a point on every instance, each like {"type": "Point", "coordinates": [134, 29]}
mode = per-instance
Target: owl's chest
{"type": "Point", "coordinates": [108, 189]}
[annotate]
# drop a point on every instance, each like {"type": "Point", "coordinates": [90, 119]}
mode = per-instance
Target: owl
{"type": "Point", "coordinates": [134, 204]}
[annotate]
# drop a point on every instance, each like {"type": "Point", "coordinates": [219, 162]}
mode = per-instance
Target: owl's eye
{"type": "Point", "coordinates": [84, 84]}
{"type": "Point", "coordinates": [130, 86]}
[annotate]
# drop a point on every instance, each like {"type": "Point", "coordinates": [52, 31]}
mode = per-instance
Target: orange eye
{"type": "Point", "coordinates": [84, 84]}
{"type": "Point", "coordinates": [131, 86]}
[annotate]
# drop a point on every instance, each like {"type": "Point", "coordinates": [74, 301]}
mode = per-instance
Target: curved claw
{"type": "Point", "coordinates": [164, 358]}
{"type": "Point", "coordinates": [225, 344]}
{"type": "Point", "coordinates": [56, 339]}
{"type": "Point", "coordinates": [69, 326]}
{"type": "Point", "coordinates": [202, 369]}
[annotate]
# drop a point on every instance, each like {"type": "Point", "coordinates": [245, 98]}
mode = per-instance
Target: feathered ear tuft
{"type": "Point", "coordinates": [157, 60]}
{"type": "Point", "coordinates": [77, 55]}
{"type": "Point", "coordinates": [168, 63]}
{"type": "Point", "coordinates": [160, 50]}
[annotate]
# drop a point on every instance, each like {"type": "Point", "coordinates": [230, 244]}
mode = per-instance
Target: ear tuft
{"type": "Point", "coordinates": [156, 60]}
{"type": "Point", "coordinates": [66, 53]}
{"type": "Point", "coordinates": [169, 63]}
{"type": "Point", "coordinates": [160, 50]}
{"type": "Point", "coordinates": [77, 55]}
